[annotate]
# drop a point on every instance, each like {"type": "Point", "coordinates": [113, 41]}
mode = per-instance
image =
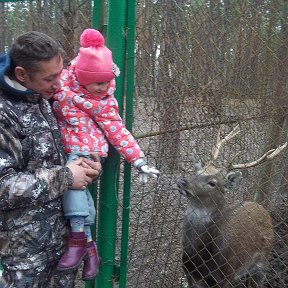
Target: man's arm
{"type": "Point", "coordinates": [21, 186]}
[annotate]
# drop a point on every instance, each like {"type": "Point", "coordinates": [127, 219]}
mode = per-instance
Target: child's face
{"type": "Point", "coordinates": [97, 88]}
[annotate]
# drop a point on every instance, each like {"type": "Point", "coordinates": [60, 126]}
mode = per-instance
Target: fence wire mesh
{"type": "Point", "coordinates": [199, 65]}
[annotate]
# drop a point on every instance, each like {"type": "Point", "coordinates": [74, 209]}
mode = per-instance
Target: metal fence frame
{"type": "Point", "coordinates": [120, 16]}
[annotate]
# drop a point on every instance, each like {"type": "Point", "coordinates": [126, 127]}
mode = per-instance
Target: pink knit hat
{"type": "Point", "coordinates": [94, 62]}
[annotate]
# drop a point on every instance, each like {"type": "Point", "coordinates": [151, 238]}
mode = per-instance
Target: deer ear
{"type": "Point", "coordinates": [234, 179]}
{"type": "Point", "coordinates": [196, 161]}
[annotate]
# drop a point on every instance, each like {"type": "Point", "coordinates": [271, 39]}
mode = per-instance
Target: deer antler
{"type": "Point", "coordinates": [220, 143]}
{"type": "Point", "coordinates": [267, 156]}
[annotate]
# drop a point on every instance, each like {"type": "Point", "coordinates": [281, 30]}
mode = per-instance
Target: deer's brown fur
{"type": "Point", "coordinates": [221, 242]}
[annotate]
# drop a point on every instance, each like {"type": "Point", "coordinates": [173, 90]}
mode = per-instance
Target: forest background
{"type": "Point", "coordinates": [198, 65]}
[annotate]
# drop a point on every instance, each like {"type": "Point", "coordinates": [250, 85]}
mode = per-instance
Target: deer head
{"type": "Point", "coordinates": [211, 178]}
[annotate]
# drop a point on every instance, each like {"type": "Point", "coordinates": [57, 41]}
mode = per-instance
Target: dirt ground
{"type": "Point", "coordinates": [277, 276]}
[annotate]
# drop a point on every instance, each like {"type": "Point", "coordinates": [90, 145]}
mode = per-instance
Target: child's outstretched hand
{"type": "Point", "coordinates": [145, 170]}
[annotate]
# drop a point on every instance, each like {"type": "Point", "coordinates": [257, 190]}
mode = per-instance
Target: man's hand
{"type": "Point", "coordinates": [94, 164]}
{"type": "Point", "coordinates": [84, 172]}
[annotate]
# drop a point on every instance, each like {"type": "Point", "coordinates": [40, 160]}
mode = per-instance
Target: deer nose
{"type": "Point", "coordinates": [181, 183]}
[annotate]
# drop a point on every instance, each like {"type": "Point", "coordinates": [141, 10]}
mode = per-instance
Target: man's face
{"type": "Point", "coordinates": [46, 81]}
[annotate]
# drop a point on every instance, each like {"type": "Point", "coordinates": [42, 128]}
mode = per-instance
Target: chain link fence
{"type": "Point", "coordinates": [199, 65]}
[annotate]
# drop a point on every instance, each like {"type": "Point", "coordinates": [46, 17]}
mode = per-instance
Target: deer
{"type": "Point", "coordinates": [224, 243]}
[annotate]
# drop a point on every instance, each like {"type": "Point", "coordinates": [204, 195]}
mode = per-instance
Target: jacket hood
{"type": "Point", "coordinates": [5, 63]}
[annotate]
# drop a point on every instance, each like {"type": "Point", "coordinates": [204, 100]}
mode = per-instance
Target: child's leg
{"type": "Point", "coordinates": [90, 219]}
{"type": "Point", "coordinates": [92, 262]}
{"type": "Point", "coordinates": [88, 234]}
{"type": "Point", "coordinates": [76, 247]}
{"type": "Point", "coordinates": [75, 206]}
{"type": "Point", "coordinates": [77, 224]}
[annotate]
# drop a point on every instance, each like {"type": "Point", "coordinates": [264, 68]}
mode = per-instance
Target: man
{"type": "Point", "coordinates": [33, 175]}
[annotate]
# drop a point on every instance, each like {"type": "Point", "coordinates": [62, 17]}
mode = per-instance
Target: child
{"type": "Point", "coordinates": [87, 115]}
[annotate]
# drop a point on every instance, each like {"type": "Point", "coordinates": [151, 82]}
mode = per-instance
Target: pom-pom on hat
{"type": "Point", "coordinates": [94, 62]}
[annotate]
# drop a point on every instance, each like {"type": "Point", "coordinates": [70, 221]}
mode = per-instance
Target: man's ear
{"type": "Point", "coordinates": [21, 74]}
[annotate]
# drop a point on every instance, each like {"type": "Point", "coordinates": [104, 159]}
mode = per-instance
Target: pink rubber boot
{"type": "Point", "coordinates": [91, 262]}
{"type": "Point", "coordinates": [75, 252]}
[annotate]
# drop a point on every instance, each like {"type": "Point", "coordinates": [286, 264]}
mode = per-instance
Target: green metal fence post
{"type": "Point", "coordinates": [107, 215]}
{"type": "Point", "coordinates": [129, 69]}
{"type": "Point", "coordinates": [99, 15]}
{"type": "Point", "coordinates": [98, 22]}
{"type": "Point", "coordinates": [107, 220]}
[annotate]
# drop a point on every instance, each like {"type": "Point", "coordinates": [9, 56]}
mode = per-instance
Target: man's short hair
{"type": "Point", "coordinates": [30, 48]}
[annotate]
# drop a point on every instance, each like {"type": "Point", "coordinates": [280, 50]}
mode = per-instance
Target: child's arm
{"type": "Point", "coordinates": [144, 170]}
{"type": "Point", "coordinates": [105, 113]}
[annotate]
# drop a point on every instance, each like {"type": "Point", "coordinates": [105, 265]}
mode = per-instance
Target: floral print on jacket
{"type": "Point", "coordinates": [88, 122]}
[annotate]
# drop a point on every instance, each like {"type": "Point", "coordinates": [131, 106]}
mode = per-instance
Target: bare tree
{"type": "Point", "coordinates": [171, 94]}
{"type": "Point", "coordinates": [2, 27]}
{"type": "Point", "coordinates": [279, 125]}
{"type": "Point", "coordinates": [69, 24]}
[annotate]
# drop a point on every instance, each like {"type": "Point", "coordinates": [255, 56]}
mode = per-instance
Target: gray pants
{"type": "Point", "coordinates": [79, 203]}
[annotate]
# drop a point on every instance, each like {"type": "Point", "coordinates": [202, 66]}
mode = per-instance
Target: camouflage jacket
{"type": "Point", "coordinates": [32, 179]}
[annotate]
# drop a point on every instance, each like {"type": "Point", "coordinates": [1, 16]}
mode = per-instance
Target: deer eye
{"type": "Point", "coordinates": [211, 183]}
